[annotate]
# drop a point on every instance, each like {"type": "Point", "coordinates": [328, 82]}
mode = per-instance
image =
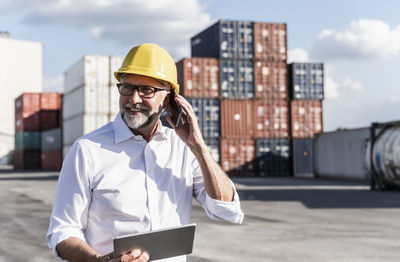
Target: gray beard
{"type": "Point", "coordinates": [136, 122]}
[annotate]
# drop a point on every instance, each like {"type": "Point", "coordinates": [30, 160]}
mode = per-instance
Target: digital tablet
{"type": "Point", "coordinates": [162, 243]}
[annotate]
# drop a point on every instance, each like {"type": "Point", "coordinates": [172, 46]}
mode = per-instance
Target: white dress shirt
{"type": "Point", "coordinates": [114, 183]}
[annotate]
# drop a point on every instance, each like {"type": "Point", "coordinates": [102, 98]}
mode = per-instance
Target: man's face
{"type": "Point", "coordinates": [138, 112]}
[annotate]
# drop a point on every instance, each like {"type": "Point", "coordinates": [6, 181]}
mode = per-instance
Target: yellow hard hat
{"type": "Point", "coordinates": [150, 60]}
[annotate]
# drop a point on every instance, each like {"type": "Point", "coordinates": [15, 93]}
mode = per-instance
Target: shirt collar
{"type": "Point", "coordinates": [122, 131]}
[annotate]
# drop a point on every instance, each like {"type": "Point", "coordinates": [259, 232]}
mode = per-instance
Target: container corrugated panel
{"type": "Point", "coordinates": [89, 99]}
{"type": "Point", "coordinates": [51, 160]}
{"type": "Point", "coordinates": [90, 70]}
{"type": "Point", "coordinates": [236, 78]}
{"type": "Point", "coordinates": [273, 157]}
{"type": "Point", "coordinates": [51, 140]}
{"type": "Point", "coordinates": [27, 140]}
{"type": "Point", "coordinates": [306, 81]}
{"type": "Point", "coordinates": [306, 118]}
{"type": "Point", "coordinates": [77, 126]}
{"type": "Point", "coordinates": [50, 101]}
{"type": "Point", "coordinates": [198, 77]}
{"type": "Point", "coordinates": [27, 159]}
{"type": "Point", "coordinates": [237, 118]}
{"type": "Point", "coordinates": [49, 119]}
{"type": "Point", "coordinates": [27, 104]}
{"type": "Point", "coordinates": [303, 158]}
{"type": "Point", "coordinates": [115, 64]}
{"type": "Point", "coordinates": [207, 112]}
{"type": "Point", "coordinates": [270, 80]}
{"type": "Point", "coordinates": [225, 39]}
{"type": "Point", "coordinates": [271, 119]}
{"type": "Point", "coordinates": [237, 157]}
{"type": "Point", "coordinates": [270, 42]}
{"type": "Point", "coordinates": [31, 122]}
{"type": "Point", "coordinates": [114, 100]}
{"type": "Point", "coordinates": [214, 147]}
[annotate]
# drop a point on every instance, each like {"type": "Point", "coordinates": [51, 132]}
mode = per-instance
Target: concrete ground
{"type": "Point", "coordinates": [286, 219]}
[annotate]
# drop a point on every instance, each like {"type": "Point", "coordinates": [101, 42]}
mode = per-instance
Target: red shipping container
{"type": "Point", "coordinates": [198, 77]}
{"type": "Point", "coordinates": [49, 119]}
{"type": "Point", "coordinates": [238, 157]}
{"type": "Point", "coordinates": [52, 160]}
{"type": "Point", "coordinates": [270, 42]}
{"type": "Point", "coordinates": [237, 118]}
{"type": "Point", "coordinates": [50, 101]}
{"type": "Point", "coordinates": [271, 119]}
{"type": "Point", "coordinates": [27, 122]}
{"type": "Point", "coordinates": [27, 159]}
{"type": "Point", "coordinates": [270, 80]}
{"type": "Point", "coordinates": [306, 118]}
{"type": "Point", "coordinates": [27, 104]}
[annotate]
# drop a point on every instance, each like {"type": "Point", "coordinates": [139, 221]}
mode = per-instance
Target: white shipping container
{"type": "Point", "coordinates": [79, 125]}
{"type": "Point", "coordinates": [90, 70]}
{"type": "Point", "coordinates": [87, 99]}
{"type": "Point", "coordinates": [114, 100]}
{"type": "Point", "coordinates": [115, 64]}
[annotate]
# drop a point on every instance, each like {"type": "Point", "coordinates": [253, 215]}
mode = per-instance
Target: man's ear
{"type": "Point", "coordinates": [166, 101]}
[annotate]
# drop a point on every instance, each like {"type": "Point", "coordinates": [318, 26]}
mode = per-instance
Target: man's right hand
{"type": "Point", "coordinates": [134, 256]}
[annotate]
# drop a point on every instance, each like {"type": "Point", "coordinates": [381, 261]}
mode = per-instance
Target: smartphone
{"type": "Point", "coordinates": [175, 111]}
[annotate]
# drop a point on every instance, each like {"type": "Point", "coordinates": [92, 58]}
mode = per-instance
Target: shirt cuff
{"type": "Point", "coordinates": [54, 239]}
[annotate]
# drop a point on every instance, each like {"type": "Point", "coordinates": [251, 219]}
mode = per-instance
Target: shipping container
{"type": "Point", "coordinates": [236, 78]}
{"type": "Point", "coordinates": [271, 119]}
{"type": "Point", "coordinates": [207, 112]}
{"type": "Point", "coordinates": [237, 157]}
{"type": "Point", "coordinates": [114, 101]}
{"type": "Point", "coordinates": [27, 159]}
{"type": "Point", "coordinates": [51, 160]}
{"type": "Point", "coordinates": [27, 122]}
{"type": "Point", "coordinates": [237, 118]}
{"type": "Point", "coordinates": [91, 70]}
{"type": "Point", "coordinates": [224, 39]}
{"type": "Point", "coordinates": [51, 140]}
{"type": "Point", "coordinates": [115, 64]}
{"type": "Point", "coordinates": [341, 154]}
{"type": "Point", "coordinates": [77, 126]}
{"type": "Point", "coordinates": [303, 157]}
{"type": "Point", "coordinates": [27, 140]}
{"type": "Point", "coordinates": [50, 101]}
{"type": "Point", "coordinates": [306, 118]}
{"type": "Point", "coordinates": [306, 81]}
{"type": "Point", "coordinates": [273, 157]}
{"type": "Point", "coordinates": [27, 104]}
{"type": "Point", "coordinates": [65, 150]}
{"type": "Point", "coordinates": [270, 42]}
{"type": "Point", "coordinates": [270, 80]}
{"type": "Point", "coordinates": [198, 77]}
{"type": "Point", "coordinates": [49, 119]}
{"type": "Point", "coordinates": [88, 99]}
{"type": "Point", "coordinates": [214, 147]}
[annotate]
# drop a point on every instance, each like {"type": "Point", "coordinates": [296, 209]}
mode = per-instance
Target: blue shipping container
{"type": "Point", "coordinates": [225, 39]}
{"type": "Point", "coordinates": [306, 81]}
{"type": "Point", "coordinates": [213, 147]}
{"type": "Point", "coordinates": [207, 112]}
{"type": "Point", "coordinates": [303, 164]}
{"type": "Point", "coordinates": [236, 78]}
{"type": "Point", "coordinates": [273, 157]}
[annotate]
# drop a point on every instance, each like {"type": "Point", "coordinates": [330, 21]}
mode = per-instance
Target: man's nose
{"type": "Point", "coordinates": [135, 98]}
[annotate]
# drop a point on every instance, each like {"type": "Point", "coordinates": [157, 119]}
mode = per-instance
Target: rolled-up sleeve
{"type": "Point", "coordinates": [72, 199]}
{"type": "Point", "coordinates": [216, 209]}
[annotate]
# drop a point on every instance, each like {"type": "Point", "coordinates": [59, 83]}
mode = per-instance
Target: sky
{"type": "Point", "coordinates": [357, 40]}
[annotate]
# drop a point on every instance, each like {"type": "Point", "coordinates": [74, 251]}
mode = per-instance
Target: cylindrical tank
{"type": "Point", "coordinates": [386, 157]}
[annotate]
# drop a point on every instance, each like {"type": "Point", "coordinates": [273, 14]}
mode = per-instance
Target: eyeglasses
{"type": "Point", "coordinates": [144, 91]}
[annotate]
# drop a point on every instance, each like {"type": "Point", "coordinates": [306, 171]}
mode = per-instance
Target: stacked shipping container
{"type": "Point", "coordinates": [251, 87]}
{"type": "Point", "coordinates": [35, 115]}
{"type": "Point", "coordinates": [306, 85]}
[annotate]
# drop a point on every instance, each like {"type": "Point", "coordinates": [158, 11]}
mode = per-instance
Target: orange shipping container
{"type": "Point", "coordinates": [199, 77]}
{"type": "Point", "coordinates": [52, 160]}
{"type": "Point", "coordinates": [306, 118]}
{"type": "Point", "coordinates": [271, 119]}
{"type": "Point", "coordinates": [50, 101]}
{"type": "Point", "coordinates": [238, 157]}
{"type": "Point", "coordinates": [237, 118]}
{"type": "Point", "coordinates": [27, 104]}
{"type": "Point", "coordinates": [270, 41]}
{"type": "Point", "coordinates": [270, 81]}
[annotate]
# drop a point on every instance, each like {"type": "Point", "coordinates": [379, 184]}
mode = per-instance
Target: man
{"type": "Point", "coordinates": [135, 175]}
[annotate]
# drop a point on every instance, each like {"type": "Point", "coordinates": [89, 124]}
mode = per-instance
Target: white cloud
{"type": "Point", "coordinates": [169, 23]}
{"type": "Point", "coordinates": [298, 55]}
{"type": "Point", "coordinates": [350, 84]}
{"type": "Point", "coordinates": [346, 86]}
{"type": "Point", "coordinates": [394, 99]}
{"type": "Point", "coordinates": [361, 39]}
{"type": "Point", "coordinates": [53, 84]}
{"type": "Point", "coordinates": [331, 88]}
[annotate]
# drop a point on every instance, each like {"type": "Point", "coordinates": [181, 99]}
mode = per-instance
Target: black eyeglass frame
{"type": "Point", "coordinates": [138, 87]}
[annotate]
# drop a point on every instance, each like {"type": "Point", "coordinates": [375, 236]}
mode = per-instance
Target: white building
{"type": "Point", "coordinates": [20, 71]}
